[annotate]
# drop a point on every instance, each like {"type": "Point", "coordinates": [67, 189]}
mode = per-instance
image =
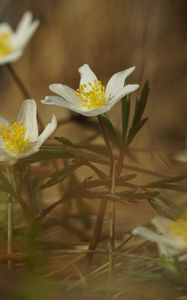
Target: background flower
{"type": "Point", "coordinates": [12, 43]}
{"type": "Point", "coordinates": [170, 236]}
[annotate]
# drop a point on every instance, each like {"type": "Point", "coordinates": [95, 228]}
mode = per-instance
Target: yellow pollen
{"type": "Point", "coordinates": [6, 46]}
{"type": "Point", "coordinates": [13, 137]}
{"type": "Point", "coordinates": [92, 95]}
{"type": "Point", "coordinates": [179, 227]}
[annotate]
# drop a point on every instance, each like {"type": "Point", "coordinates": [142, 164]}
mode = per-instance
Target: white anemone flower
{"type": "Point", "coordinates": [12, 43]}
{"type": "Point", "coordinates": [21, 139]}
{"type": "Point", "coordinates": [170, 236]}
{"type": "Point", "coordinates": [92, 98]}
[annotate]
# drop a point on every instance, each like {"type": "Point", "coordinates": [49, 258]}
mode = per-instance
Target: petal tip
{"type": "Point", "coordinates": [85, 66]}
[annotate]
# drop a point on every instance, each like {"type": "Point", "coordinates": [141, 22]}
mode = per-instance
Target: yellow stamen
{"type": "Point", "coordinates": [13, 137]}
{"type": "Point", "coordinates": [92, 95]}
{"type": "Point", "coordinates": [6, 46]}
{"type": "Point", "coordinates": [179, 227]}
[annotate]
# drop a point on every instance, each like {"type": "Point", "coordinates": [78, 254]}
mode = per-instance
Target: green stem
{"type": "Point", "coordinates": [10, 231]}
{"type": "Point", "coordinates": [112, 227]}
{"type": "Point", "coordinates": [9, 220]}
{"type": "Point", "coordinates": [120, 160]}
{"type": "Point", "coordinates": [103, 204]}
{"type": "Point", "coordinates": [106, 139]}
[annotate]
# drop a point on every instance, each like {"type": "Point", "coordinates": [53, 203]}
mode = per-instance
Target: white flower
{"type": "Point", "coordinates": [92, 98]}
{"type": "Point", "coordinates": [20, 139]}
{"type": "Point", "coordinates": [12, 43]}
{"type": "Point", "coordinates": [170, 236]}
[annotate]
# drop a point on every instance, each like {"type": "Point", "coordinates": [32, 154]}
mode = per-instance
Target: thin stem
{"type": "Point", "coordinates": [112, 227]}
{"type": "Point", "coordinates": [106, 139]}
{"type": "Point", "coordinates": [120, 160]}
{"type": "Point", "coordinates": [103, 204]}
{"type": "Point", "coordinates": [10, 231]}
{"type": "Point", "coordinates": [18, 81]}
{"type": "Point", "coordinates": [98, 228]}
{"type": "Point", "coordinates": [24, 91]}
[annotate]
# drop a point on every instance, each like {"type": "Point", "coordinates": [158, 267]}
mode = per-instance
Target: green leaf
{"type": "Point", "coordinates": [137, 122]}
{"type": "Point", "coordinates": [134, 130]}
{"type": "Point", "coordinates": [167, 180]}
{"type": "Point", "coordinates": [60, 175]}
{"type": "Point", "coordinates": [125, 102]}
{"type": "Point", "coordinates": [112, 133]}
{"type": "Point", "coordinates": [47, 153]}
{"type": "Point", "coordinates": [64, 141]}
{"type": "Point", "coordinates": [172, 187]}
{"type": "Point", "coordinates": [134, 195]}
{"type": "Point", "coordinates": [141, 104]}
{"type": "Point", "coordinates": [169, 203]}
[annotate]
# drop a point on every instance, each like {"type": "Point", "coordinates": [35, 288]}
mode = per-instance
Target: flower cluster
{"type": "Point", "coordinates": [92, 98]}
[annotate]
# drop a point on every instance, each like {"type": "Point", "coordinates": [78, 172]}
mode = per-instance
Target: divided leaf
{"type": "Point", "coordinates": [137, 122]}
{"type": "Point", "coordinates": [60, 175]}
{"type": "Point", "coordinates": [125, 103]}
{"type": "Point", "coordinates": [111, 131]}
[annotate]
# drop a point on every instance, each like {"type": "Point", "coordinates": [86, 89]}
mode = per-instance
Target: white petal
{"type": "Point", "coordinates": [95, 112]}
{"type": "Point", "coordinates": [49, 129]}
{"type": "Point", "coordinates": [155, 237]}
{"type": "Point", "coordinates": [5, 27]}
{"type": "Point", "coordinates": [27, 116]}
{"type": "Point", "coordinates": [15, 55]}
{"type": "Point", "coordinates": [167, 251]}
{"type": "Point", "coordinates": [25, 30]}
{"type": "Point", "coordinates": [52, 100]}
{"type": "Point", "coordinates": [25, 21]}
{"type": "Point", "coordinates": [117, 81]}
{"type": "Point", "coordinates": [4, 155]}
{"type": "Point", "coordinates": [65, 92]}
{"type": "Point", "coordinates": [3, 121]}
{"type": "Point", "coordinates": [87, 75]}
{"type": "Point", "coordinates": [14, 156]}
{"type": "Point", "coordinates": [55, 100]}
{"type": "Point", "coordinates": [162, 225]}
{"type": "Point", "coordinates": [129, 88]}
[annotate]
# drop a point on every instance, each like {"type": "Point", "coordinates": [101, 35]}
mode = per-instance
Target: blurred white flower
{"type": "Point", "coordinates": [92, 98]}
{"type": "Point", "coordinates": [170, 236]}
{"type": "Point", "coordinates": [12, 43]}
{"type": "Point", "coordinates": [20, 139]}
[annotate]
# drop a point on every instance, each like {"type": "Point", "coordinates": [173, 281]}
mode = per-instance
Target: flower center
{"type": "Point", "coordinates": [13, 137]}
{"type": "Point", "coordinates": [92, 95]}
{"type": "Point", "coordinates": [6, 46]}
{"type": "Point", "coordinates": [179, 227]}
